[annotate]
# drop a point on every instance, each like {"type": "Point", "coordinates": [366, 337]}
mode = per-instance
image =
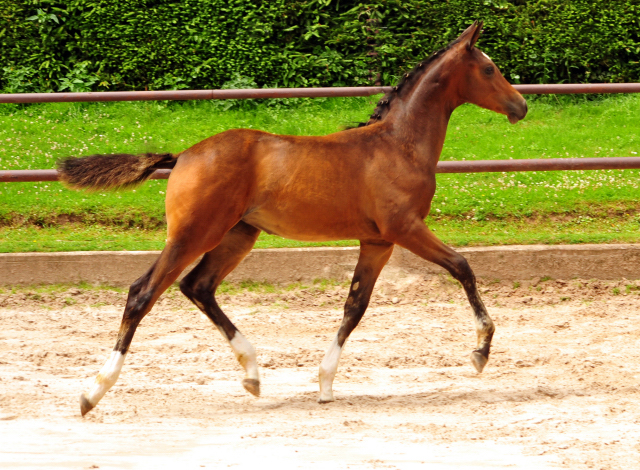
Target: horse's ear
{"type": "Point", "coordinates": [470, 35]}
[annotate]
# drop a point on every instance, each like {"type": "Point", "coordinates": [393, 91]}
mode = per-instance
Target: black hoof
{"type": "Point", "coordinates": [478, 360]}
{"type": "Point", "coordinates": [252, 386]}
{"type": "Point", "coordinates": [85, 406]}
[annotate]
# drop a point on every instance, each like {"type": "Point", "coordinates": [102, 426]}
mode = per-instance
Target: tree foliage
{"type": "Point", "coordinates": [80, 45]}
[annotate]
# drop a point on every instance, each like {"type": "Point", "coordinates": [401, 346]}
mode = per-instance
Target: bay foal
{"type": "Point", "coordinates": [373, 183]}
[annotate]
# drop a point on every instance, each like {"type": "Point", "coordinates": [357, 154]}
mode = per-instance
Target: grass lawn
{"type": "Point", "coordinates": [468, 209]}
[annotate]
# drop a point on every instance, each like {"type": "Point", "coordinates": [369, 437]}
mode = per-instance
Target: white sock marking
{"type": "Point", "coordinates": [328, 369]}
{"type": "Point", "coordinates": [244, 351]}
{"type": "Point", "coordinates": [106, 377]}
{"type": "Point", "coordinates": [246, 355]}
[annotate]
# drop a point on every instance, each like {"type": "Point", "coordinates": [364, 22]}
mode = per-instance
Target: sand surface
{"type": "Point", "coordinates": [561, 389]}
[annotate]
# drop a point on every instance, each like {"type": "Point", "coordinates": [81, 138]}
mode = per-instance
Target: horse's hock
{"type": "Point", "coordinates": [281, 266]}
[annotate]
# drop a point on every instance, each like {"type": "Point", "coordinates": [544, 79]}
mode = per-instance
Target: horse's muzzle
{"type": "Point", "coordinates": [517, 110]}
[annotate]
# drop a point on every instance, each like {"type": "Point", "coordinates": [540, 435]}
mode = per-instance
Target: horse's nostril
{"type": "Point", "coordinates": [522, 109]}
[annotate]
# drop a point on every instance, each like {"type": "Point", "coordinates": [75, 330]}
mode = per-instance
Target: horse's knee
{"type": "Point", "coordinates": [137, 305]}
{"type": "Point", "coordinates": [137, 295]}
{"type": "Point", "coordinates": [138, 285]}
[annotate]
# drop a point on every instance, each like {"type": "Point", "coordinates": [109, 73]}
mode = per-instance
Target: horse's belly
{"type": "Point", "coordinates": [306, 227]}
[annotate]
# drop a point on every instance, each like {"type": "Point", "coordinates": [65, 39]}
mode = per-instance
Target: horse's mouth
{"type": "Point", "coordinates": [517, 111]}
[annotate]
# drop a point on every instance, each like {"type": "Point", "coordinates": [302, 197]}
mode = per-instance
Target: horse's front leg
{"type": "Point", "coordinates": [372, 259]}
{"type": "Point", "coordinates": [418, 239]}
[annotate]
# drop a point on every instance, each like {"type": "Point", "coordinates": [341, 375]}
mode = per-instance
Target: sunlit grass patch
{"type": "Point", "coordinates": [82, 237]}
{"type": "Point", "coordinates": [538, 229]}
{"type": "Point", "coordinates": [78, 238]}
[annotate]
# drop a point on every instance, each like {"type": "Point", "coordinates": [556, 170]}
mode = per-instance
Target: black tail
{"type": "Point", "coordinates": [117, 171]}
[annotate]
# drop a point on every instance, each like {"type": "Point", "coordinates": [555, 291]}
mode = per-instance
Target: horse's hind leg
{"type": "Point", "coordinates": [142, 295]}
{"type": "Point", "coordinates": [200, 286]}
{"type": "Point", "coordinates": [372, 259]}
{"type": "Point", "coordinates": [421, 241]}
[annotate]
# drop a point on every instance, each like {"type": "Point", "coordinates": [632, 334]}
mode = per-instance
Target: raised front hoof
{"type": "Point", "coordinates": [85, 406]}
{"type": "Point", "coordinates": [478, 360]}
{"type": "Point", "coordinates": [252, 386]}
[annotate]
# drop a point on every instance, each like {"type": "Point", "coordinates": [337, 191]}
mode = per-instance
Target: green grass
{"type": "Point", "coordinates": [455, 231]}
{"type": "Point", "coordinates": [80, 237]}
{"type": "Point", "coordinates": [539, 229]}
{"type": "Point", "coordinates": [468, 209]}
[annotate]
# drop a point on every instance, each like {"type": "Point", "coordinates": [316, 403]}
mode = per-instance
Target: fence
{"type": "Point", "coordinates": [477, 166]}
{"type": "Point", "coordinates": [567, 88]}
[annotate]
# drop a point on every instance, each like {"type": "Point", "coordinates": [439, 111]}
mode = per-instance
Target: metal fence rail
{"type": "Point", "coordinates": [567, 88]}
{"type": "Point", "coordinates": [474, 166]}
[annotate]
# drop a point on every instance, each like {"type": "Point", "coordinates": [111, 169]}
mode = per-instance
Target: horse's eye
{"type": "Point", "coordinates": [488, 70]}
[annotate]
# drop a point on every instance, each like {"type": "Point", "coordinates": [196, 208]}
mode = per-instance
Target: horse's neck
{"type": "Point", "coordinates": [420, 120]}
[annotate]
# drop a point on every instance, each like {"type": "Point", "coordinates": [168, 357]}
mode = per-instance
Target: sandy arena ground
{"type": "Point", "coordinates": [561, 389]}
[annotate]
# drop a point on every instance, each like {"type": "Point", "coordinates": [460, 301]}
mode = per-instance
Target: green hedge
{"type": "Point", "coordinates": [81, 45]}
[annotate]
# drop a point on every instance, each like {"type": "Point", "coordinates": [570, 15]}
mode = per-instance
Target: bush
{"type": "Point", "coordinates": [51, 45]}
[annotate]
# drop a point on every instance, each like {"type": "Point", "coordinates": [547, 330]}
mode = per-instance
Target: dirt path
{"type": "Point", "coordinates": [561, 389]}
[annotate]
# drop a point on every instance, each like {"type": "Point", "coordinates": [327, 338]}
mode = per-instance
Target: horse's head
{"type": "Point", "coordinates": [478, 80]}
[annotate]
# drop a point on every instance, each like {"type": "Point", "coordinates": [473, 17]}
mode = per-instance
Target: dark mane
{"type": "Point", "coordinates": [382, 108]}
